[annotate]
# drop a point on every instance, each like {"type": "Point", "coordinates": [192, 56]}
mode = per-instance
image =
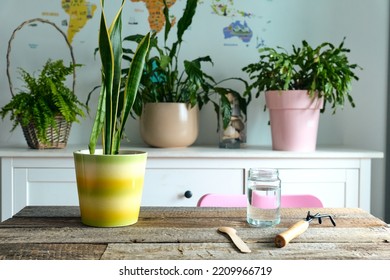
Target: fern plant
{"type": "Point", "coordinates": [45, 97]}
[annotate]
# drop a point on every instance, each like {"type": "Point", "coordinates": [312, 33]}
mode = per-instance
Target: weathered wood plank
{"type": "Point", "coordinates": [49, 211]}
{"type": "Point", "coordinates": [225, 251]}
{"type": "Point", "coordinates": [190, 233]}
{"type": "Point", "coordinates": [38, 222]}
{"type": "Point", "coordinates": [184, 235]}
{"type": "Point", "coordinates": [185, 222]}
{"type": "Point", "coordinates": [157, 222]}
{"type": "Point", "coordinates": [44, 251]}
{"type": "Point", "coordinates": [192, 251]}
{"type": "Point", "coordinates": [185, 217]}
{"type": "Point", "coordinates": [177, 212]}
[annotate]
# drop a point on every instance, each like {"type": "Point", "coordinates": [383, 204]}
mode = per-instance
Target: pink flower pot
{"type": "Point", "coordinates": [294, 117]}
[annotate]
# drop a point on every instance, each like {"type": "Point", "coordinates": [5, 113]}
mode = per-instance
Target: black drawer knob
{"type": "Point", "coordinates": [188, 194]}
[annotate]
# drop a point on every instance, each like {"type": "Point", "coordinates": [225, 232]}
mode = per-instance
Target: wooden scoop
{"type": "Point", "coordinates": [236, 240]}
{"type": "Point", "coordinates": [295, 230]}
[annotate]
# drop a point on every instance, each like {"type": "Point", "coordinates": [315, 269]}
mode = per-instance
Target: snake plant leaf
{"type": "Point", "coordinates": [106, 55]}
{"type": "Point", "coordinates": [116, 45]}
{"type": "Point", "coordinates": [132, 84]}
{"type": "Point", "coordinates": [107, 60]}
{"type": "Point", "coordinates": [99, 121]}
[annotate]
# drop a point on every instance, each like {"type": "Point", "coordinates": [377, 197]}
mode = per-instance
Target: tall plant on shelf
{"type": "Point", "coordinates": [297, 87]}
{"type": "Point", "coordinates": [117, 92]}
{"type": "Point", "coordinates": [168, 78]}
{"type": "Point", "coordinates": [324, 69]}
{"type": "Point", "coordinates": [110, 180]}
{"type": "Point", "coordinates": [45, 104]}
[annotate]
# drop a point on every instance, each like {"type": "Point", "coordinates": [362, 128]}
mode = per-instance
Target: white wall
{"type": "Point", "coordinates": [365, 126]}
{"type": "Point", "coordinates": [278, 22]}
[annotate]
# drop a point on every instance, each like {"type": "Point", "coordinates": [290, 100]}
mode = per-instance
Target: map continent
{"type": "Point", "coordinates": [227, 8]}
{"type": "Point", "coordinates": [156, 15]}
{"type": "Point", "coordinates": [79, 11]}
{"type": "Point", "coordinates": [240, 30]}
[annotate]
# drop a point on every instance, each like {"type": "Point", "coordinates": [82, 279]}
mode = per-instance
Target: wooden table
{"type": "Point", "coordinates": [190, 233]}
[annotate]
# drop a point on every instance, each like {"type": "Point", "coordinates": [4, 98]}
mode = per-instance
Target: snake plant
{"type": "Point", "coordinates": [115, 104]}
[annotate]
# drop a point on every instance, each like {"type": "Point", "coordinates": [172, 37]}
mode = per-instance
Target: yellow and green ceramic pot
{"type": "Point", "coordinates": [110, 187]}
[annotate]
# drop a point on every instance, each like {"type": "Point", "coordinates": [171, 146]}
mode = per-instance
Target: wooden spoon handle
{"type": "Point", "coordinates": [295, 230]}
{"type": "Point", "coordinates": [239, 243]}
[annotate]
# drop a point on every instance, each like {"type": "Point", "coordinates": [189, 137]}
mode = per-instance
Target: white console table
{"type": "Point", "coordinates": [340, 177]}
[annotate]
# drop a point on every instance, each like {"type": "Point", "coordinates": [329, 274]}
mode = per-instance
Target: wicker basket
{"type": "Point", "coordinates": [57, 136]}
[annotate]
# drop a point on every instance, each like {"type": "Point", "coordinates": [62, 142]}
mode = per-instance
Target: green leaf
{"type": "Point", "coordinates": [99, 121]}
{"type": "Point", "coordinates": [110, 49]}
{"type": "Point", "coordinates": [107, 60]}
{"type": "Point", "coordinates": [167, 21]}
{"type": "Point", "coordinates": [116, 45]}
{"type": "Point", "coordinates": [132, 84]}
{"type": "Point", "coordinates": [186, 20]}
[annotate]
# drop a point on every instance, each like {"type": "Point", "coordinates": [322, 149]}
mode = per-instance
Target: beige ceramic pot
{"type": "Point", "coordinates": [169, 125]}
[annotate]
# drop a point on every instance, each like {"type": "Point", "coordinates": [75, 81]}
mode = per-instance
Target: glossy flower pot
{"type": "Point", "coordinates": [110, 187]}
{"type": "Point", "coordinates": [294, 118]}
{"type": "Point", "coordinates": [169, 125]}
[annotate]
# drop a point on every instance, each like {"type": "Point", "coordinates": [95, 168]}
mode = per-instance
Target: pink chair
{"type": "Point", "coordinates": [240, 200]}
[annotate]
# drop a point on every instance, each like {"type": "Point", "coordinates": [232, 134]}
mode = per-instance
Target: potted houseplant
{"type": "Point", "coordinates": [47, 107]}
{"type": "Point", "coordinates": [109, 180]}
{"type": "Point", "coordinates": [172, 90]}
{"type": "Point", "coordinates": [297, 87]}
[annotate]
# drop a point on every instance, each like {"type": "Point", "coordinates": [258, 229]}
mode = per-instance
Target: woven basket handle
{"type": "Point", "coordinates": [58, 29]}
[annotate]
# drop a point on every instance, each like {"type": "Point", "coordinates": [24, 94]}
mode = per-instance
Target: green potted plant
{"type": "Point", "coordinates": [297, 86]}
{"type": "Point", "coordinates": [110, 180]}
{"type": "Point", "coordinates": [172, 87]}
{"type": "Point", "coordinates": [47, 107]}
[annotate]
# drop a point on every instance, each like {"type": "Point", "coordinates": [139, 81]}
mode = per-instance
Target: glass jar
{"type": "Point", "coordinates": [263, 197]}
{"type": "Point", "coordinates": [234, 134]}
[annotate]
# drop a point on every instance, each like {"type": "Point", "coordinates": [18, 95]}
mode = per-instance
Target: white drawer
{"type": "Point", "coordinates": [335, 187]}
{"type": "Point", "coordinates": [162, 187]}
{"type": "Point", "coordinates": [46, 186]}
{"type": "Point", "coordinates": [166, 187]}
